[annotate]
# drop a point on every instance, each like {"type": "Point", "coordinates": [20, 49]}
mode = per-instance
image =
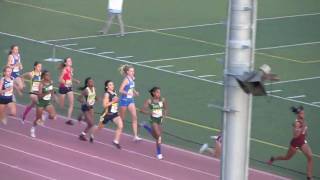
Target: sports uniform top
{"type": "Point", "coordinates": [67, 77]}
{"type": "Point", "coordinates": [35, 81]}
{"type": "Point", "coordinates": [6, 85]}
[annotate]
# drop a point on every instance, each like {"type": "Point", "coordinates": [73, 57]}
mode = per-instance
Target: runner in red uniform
{"type": "Point", "coordinates": [65, 87]}
{"type": "Point", "coordinates": [298, 142]}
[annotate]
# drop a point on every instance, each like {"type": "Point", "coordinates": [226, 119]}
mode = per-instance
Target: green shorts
{"type": "Point", "coordinates": [43, 103]}
{"type": "Point", "coordinates": [155, 120]}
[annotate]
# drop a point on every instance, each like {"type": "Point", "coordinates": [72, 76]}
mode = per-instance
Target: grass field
{"type": "Point", "coordinates": [179, 45]}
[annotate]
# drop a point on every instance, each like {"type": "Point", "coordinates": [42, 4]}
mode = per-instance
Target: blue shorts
{"type": "Point", "coordinates": [126, 102]}
{"type": "Point", "coordinates": [5, 99]}
{"type": "Point", "coordinates": [65, 90]}
{"type": "Point", "coordinates": [15, 74]}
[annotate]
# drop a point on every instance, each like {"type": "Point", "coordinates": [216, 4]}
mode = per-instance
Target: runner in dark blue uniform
{"type": "Point", "coordinates": [6, 95]}
{"type": "Point", "coordinates": [110, 105]}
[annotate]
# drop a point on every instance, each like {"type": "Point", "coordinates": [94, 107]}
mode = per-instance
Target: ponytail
{"type": "Point", "coordinates": [63, 64]}
{"type": "Point", "coordinates": [123, 69]}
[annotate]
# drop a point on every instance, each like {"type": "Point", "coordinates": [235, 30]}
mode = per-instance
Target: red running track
{"type": "Point", "coordinates": [57, 153]}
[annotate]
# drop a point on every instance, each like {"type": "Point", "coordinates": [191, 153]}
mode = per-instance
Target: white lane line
{"type": "Point", "coordinates": [221, 53]}
{"type": "Point", "coordinates": [289, 16]}
{"type": "Point", "coordinates": [294, 80]}
{"type": "Point", "coordinates": [294, 100]}
{"type": "Point", "coordinates": [177, 58]}
{"type": "Point", "coordinates": [66, 45]}
{"type": "Point", "coordinates": [164, 66]}
{"type": "Point", "coordinates": [181, 27]}
{"type": "Point", "coordinates": [295, 97]}
{"type": "Point", "coordinates": [124, 57]}
{"type": "Point", "coordinates": [274, 91]}
{"type": "Point", "coordinates": [92, 36]}
{"type": "Point", "coordinates": [106, 52]}
{"type": "Point", "coordinates": [27, 171]}
{"type": "Point", "coordinates": [317, 102]}
{"type": "Point", "coordinates": [187, 70]}
{"type": "Point", "coordinates": [51, 160]}
{"type": "Point", "coordinates": [82, 153]}
{"type": "Point", "coordinates": [207, 75]}
{"type": "Point", "coordinates": [85, 49]}
{"type": "Point", "coordinates": [289, 45]}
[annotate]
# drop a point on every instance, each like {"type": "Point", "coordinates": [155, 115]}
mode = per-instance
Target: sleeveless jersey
{"type": "Point", "coordinates": [35, 81]}
{"type": "Point", "coordinates": [16, 60]}
{"type": "Point", "coordinates": [67, 77]}
{"type": "Point", "coordinates": [156, 109]}
{"type": "Point", "coordinates": [46, 90]}
{"type": "Point", "coordinates": [6, 85]}
{"type": "Point", "coordinates": [129, 88]}
{"type": "Point", "coordinates": [114, 106]}
{"type": "Point", "coordinates": [90, 99]}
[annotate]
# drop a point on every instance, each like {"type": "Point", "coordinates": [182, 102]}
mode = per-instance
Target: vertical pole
{"type": "Point", "coordinates": [237, 104]}
{"type": "Point", "coordinates": [53, 52]}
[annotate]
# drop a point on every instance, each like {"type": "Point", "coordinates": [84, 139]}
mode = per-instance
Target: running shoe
{"type": "Point", "coordinates": [82, 137]}
{"type": "Point", "coordinates": [159, 156]}
{"type": "Point", "coordinates": [137, 138]}
{"type": "Point", "coordinates": [117, 145]}
{"type": "Point", "coordinates": [33, 132]}
{"type": "Point", "coordinates": [271, 160]}
{"type": "Point", "coordinates": [203, 148]}
{"type": "Point", "coordinates": [91, 138]}
{"type": "Point", "coordinates": [69, 122]}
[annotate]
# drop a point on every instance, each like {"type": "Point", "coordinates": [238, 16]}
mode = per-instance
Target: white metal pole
{"type": "Point", "coordinates": [237, 104]}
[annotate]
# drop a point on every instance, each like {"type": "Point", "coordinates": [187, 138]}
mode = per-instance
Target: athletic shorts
{"type": "Point", "coordinates": [126, 102]}
{"type": "Point", "coordinates": [43, 103]}
{"type": "Point", "coordinates": [155, 120]}
{"type": "Point", "coordinates": [109, 117]}
{"type": "Point", "coordinates": [65, 90]}
{"type": "Point", "coordinates": [5, 99]}
{"type": "Point", "coordinates": [35, 93]}
{"type": "Point", "coordinates": [85, 107]}
{"type": "Point", "coordinates": [298, 142]}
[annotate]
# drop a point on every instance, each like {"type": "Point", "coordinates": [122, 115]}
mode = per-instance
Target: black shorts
{"type": "Point", "coordinates": [85, 107]}
{"type": "Point", "coordinates": [35, 93]}
{"type": "Point", "coordinates": [5, 100]}
{"type": "Point", "coordinates": [64, 90]}
{"type": "Point", "coordinates": [109, 117]}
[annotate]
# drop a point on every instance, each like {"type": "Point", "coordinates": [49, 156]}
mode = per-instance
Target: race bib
{"type": "Point", "coordinates": [157, 113]}
{"type": "Point", "coordinates": [91, 101]}
{"type": "Point", "coordinates": [114, 108]}
{"type": "Point", "coordinates": [35, 86]}
{"type": "Point", "coordinates": [47, 97]}
{"type": "Point", "coordinates": [130, 93]}
{"type": "Point", "coordinates": [10, 91]}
